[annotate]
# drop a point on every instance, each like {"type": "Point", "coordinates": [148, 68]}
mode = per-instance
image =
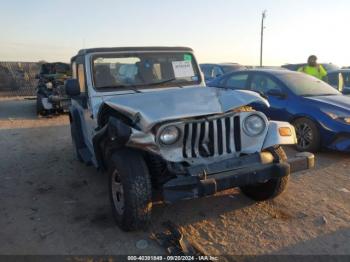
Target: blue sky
{"type": "Point", "coordinates": [218, 31]}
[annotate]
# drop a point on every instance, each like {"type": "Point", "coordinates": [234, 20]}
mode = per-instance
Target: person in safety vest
{"type": "Point", "coordinates": [313, 69]}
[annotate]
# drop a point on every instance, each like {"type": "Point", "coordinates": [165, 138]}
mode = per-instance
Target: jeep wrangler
{"type": "Point", "coordinates": [145, 116]}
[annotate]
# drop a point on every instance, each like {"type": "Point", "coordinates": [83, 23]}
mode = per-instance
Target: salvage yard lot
{"type": "Point", "coordinates": [52, 204]}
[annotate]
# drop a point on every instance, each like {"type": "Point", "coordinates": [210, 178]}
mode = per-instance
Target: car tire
{"type": "Point", "coordinates": [130, 190]}
{"type": "Point", "coordinates": [77, 140]}
{"type": "Point", "coordinates": [308, 135]}
{"type": "Point", "coordinates": [40, 110]}
{"type": "Point", "coordinates": [271, 188]}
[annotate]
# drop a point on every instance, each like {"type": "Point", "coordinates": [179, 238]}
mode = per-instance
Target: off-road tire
{"type": "Point", "coordinates": [271, 188]}
{"type": "Point", "coordinates": [315, 143]}
{"type": "Point", "coordinates": [134, 178]}
{"type": "Point", "coordinates": [77, 140]}
{"type": "Point", "coordinates": [40, 110]}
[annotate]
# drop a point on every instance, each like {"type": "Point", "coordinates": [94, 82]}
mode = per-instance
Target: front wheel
{"type": "Point", "coordinates": [308, 135]}
{"type": "Point", "coordinates": [130, 190]}
{"type": "Point", "coordinates": [40, 110]}
{"type": "Point", "coordinates": [271, 188]}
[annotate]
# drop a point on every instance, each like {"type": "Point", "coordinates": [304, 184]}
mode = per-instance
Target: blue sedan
{"type": "Point", "coordinates": [319, 113]}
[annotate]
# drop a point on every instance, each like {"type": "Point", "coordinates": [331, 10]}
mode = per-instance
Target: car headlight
{"type": "Point", "coordinates": [254, 125]}
{"type": "Point", "coordinates": [169, 135]}
{"type": "Point", "coordinates": [49, 85]}
{"type": "Point", "coordinates": [344, 119]}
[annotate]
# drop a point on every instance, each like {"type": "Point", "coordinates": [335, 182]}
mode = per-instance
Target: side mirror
{"type": "Point", "coordinates": [277, 93]}
{"type": "Point", "coordinates": [72, 87]}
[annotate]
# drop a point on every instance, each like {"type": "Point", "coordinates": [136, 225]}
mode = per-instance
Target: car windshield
{"type": "Point", "coordinates": [159, 69]}
{"type": "Point", "coordinates": [304, 85]}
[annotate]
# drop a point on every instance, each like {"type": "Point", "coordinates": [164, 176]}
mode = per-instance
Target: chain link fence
{"type": "Point", "coordinates": [18, 78]}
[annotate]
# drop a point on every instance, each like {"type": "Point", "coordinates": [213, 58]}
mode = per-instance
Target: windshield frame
{"type": "Point", "coordinates": [124, 89]}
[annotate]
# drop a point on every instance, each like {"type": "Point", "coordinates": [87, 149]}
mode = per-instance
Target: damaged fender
{"type": "Point", "coordinates": [114, 134]}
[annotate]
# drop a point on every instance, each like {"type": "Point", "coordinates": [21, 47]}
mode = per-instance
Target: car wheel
{"type": "Point", "coordinates": [130, 190]}
{"type": "Point", "coordinates": [308, 135]}
{"type": "Point", "coordinates": [271, 188]}
{"type": "Point", "coordinates": [40, 110]}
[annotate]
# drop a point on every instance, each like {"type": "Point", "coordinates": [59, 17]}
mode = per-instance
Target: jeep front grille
{"type": "Point", "coordinates": [209, 138]}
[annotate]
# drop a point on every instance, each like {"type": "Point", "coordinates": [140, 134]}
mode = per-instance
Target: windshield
{"type": "Point", "coordinates": [159, 69]}
{"type": "Point", "coordinates": [304, 85]}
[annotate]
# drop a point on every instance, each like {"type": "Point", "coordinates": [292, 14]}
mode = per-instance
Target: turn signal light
{"type": "Point", "coordinates": [285, 131]}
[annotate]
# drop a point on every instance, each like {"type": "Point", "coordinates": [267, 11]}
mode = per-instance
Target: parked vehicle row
{"type": "Point", "coordinates": [146, 117]}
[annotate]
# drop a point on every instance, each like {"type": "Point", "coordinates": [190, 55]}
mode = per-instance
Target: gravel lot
{"type": "Point", "coordinates": [52, 204]}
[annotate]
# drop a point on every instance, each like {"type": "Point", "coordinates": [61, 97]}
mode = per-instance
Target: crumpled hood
{"type": "Point", "coordinates": [339, 102]}
{"type": "Point", "coordinates": [152, 107]}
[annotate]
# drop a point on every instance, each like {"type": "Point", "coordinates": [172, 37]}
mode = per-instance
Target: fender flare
{"type": "Point", "coordinates": [113, 135]}
{"type": "Point", "coordinates": [74, 116]}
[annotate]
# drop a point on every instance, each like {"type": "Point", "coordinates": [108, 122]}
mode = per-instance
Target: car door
{"type": "Point", "coordinates": [83, 104]}
{"type": "Point", "coordinates": [274, 91]}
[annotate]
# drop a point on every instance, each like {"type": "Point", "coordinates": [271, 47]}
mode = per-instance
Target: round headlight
{"type": "Point", "coordinates": [169, 135]}
{"type": "Point", "coordinates": [254, 125]}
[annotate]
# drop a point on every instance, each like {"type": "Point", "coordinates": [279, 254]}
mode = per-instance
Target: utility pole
{"type": "Point", "coordinates": [262, 36]}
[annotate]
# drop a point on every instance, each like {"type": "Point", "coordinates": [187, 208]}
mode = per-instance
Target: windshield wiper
{"type": "Point", "coordinates": [127, 87]}
{"type": "Point", "coordinates": [161, 82]}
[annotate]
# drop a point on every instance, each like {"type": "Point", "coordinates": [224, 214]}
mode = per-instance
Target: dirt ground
{"type": "Point", "coordinates": [52, 204]}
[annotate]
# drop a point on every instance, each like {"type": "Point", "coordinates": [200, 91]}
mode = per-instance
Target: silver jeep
{"type": "Point", "coordinates": [145, 116]}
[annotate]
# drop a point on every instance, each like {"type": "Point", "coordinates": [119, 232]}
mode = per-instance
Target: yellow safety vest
{"type": "Point", "coordinates": [318, 72]}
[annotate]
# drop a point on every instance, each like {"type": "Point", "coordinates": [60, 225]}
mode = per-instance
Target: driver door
{"type": "Point", "coordinates": [84, 108]}
{"type": "Point", "coordinates": [273, 90]}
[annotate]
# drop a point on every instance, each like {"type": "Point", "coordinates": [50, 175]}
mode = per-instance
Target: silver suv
{"type": "Point", "coordinates": [145, 116]}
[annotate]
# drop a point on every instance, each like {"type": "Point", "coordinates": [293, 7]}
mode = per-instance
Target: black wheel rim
{"type": "Point", "coordinates": [117, 193]}
{"type": "Point", "coordinates": [304, 135]}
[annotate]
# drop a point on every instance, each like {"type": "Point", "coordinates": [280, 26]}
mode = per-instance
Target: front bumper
{"type": "Point", "coordinates": [187, 187]}
{"type": "Point", "coordinates": [341, 142]}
